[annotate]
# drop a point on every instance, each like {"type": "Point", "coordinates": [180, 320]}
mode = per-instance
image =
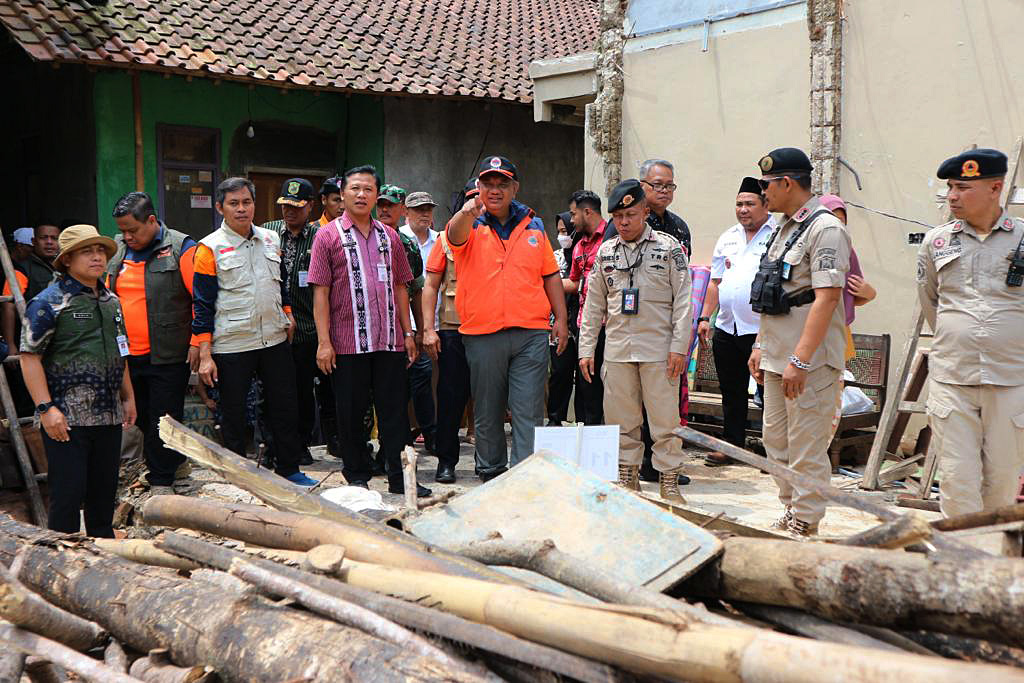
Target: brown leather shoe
{"type": "Point", "coordinates": [629, 477]}
{"type": "Point", "coordinates": [668, 485]}
{"type": "Point", "coordinates": [717, 458]}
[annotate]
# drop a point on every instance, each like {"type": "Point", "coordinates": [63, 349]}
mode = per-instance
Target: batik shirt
{"type": "Point", "coordinates": [76, 330]}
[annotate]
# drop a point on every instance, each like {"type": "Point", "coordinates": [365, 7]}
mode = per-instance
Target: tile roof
{"type": "Point", "coordinates": [459, 48]}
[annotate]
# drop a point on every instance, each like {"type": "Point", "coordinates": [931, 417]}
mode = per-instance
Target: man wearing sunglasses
{"type": "Point", "coordinates": [799, 352]}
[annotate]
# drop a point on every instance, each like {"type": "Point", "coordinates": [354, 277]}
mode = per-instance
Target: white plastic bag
{"type": "Point", "coordinates": [854, 400]}
{"type": "Point", "coordinates": [357, 499]}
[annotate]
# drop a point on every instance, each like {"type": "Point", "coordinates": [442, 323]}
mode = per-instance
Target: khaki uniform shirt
{"type": "Point", "coordinates": [449, 315]}
{"type": "Point", "coordinates": [977, 319]}
{"type": "Point", "coordinates": [663, 320]}
{"type": "Point", "coordinates": [820, 259]}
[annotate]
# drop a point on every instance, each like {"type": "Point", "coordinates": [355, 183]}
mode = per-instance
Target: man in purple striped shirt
{"type": "Point", "coordinates": [365, 341]}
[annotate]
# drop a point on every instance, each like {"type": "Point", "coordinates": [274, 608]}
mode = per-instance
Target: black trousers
{"type": "Point", "coordinates": [421, 376]}
{"type": "Point", "coordinates": [314, 393]}
{"type": "Point", "coordinates": [731, 353]}
{"type": "Point", "coordinates": [590, 395]}
{"type": "Point", "coordinates": [355, 376]}
{"type": "Point", "coordinates": [452, 396]}
{"type": "Point", "coordinates": [159, 390]}
{"type": "Point", "coordinates": [83, 474]}
{"type": "Point", "coordinates": [275, 368]}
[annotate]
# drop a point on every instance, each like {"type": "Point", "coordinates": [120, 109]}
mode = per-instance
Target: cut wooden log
{"type": "Point", "coordinates": [143, 552]}
{"type": "Point", "coordinates": [349, 614]}
{"type": "Point", "coordinates": [897, 533]}
{"type": "Point", "coordinates": [544, 558]}
{"type": "Point", "coordinates": [968, 649]}
{"type": "Point", "coordinates": [12, 665]}
{"type": "Point", "coordinates": [690, 435]}
{"type": "Point", "coordinates": [908, 501]}
{"type": "Point", "coordinates": [981, 597]}
{"type": "Point", "coordinates": [39, 670]}
{"type": "Point", "coordinates": [152, 607]}
{"type": "Point", "coordinates": [291, 531]}
{"type": "Point", "coordinates": [157, 667]}
{"type": "Point", "coordinates": [115, 657]}
{"type": "Point", "coordinates": [654, 642]}
{"type": "Point", "coordinates": [324, 559]}
{"type": "Point", "coordinates": [283, 495]}
{"type": "Point", "coordinates": [973, 520]}
{"type": "Point", "coordinates": [25, 609]}
{"type": "Point", "coordinates": [63, 656]}
{"type": "Point", "coordinates": [409, 477]}
{"type": "Point", "coordinates": [408, 614]}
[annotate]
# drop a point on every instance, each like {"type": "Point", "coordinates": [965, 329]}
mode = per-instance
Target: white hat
{"type": "Point", "coordinates": [24, 236]}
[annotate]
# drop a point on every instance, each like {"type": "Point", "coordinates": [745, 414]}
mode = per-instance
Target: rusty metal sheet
{"type": "Point", "coordinates": [594, 520]}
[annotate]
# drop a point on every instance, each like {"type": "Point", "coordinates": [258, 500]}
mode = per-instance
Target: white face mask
{"type": "Point", "coordinates": [564, 241]}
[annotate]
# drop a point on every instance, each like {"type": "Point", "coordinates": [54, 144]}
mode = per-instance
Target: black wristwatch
{"type": "Point", "coordinates": [43, 407]}
{"type": "Point", "coordinates": [703, 319]}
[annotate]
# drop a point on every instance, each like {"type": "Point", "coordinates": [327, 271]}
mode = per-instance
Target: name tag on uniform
{"type": "Point", "coordinates": [303, 278]}
{"type": "Point", "coordinates": [122, 344]}
{"type": "Point", "coordinates": [630, 301]}
{"type": "Point", "coordinates": [82, 316]}
{"type": "Point", "coordinates": [786, 268]}
{"type": "Point", "coordinates": [382, 272]}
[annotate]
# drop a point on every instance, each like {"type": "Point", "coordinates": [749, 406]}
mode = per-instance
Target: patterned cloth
{"type": "Point", "coordinates": [363, 317]}
{"type": "Point", "coordinates": [295, 256]}
{"type": "Point", "coordinates": [412, 253]}
{"type": "Point", "coordinates": [75, 329]}
{"type": "Point", "coordinates": [700, 276]}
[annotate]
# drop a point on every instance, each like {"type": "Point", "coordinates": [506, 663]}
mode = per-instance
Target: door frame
{"type": "Point", "coordinates": [185, 165]}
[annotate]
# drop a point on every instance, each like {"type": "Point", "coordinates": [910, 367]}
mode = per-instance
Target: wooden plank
{"type": "Point", "coordinates": [890, 411]}
{"type": "Point", "coordinates": [916, 385]}
{"type": "Point", "coordinates": [711, 522]}
{"type": "Point", "coordinates": [587, 517]}
{"type": "Point", "coordinates": [916, 407]}
{"type": "Point", "coordinates": [900, 471]}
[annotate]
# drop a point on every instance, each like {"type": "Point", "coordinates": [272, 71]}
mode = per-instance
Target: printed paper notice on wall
{"type": "Point", "coordinates": [200, 201]}
{"type": "Point", "coordinates": [206, 176]}
{"type": "Point", "coordinates": [184, 179]}
{"type": "Point", "coordinates": [592, 448]}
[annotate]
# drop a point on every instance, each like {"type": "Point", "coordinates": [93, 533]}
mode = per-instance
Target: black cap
{"type": "Point", "coordinates": [331, 185]}
{"type": "Point", "coordinates": [296, 191]}
{"type": "Point", "coordinates": [785, 160]}
{"type": "Point", "coordinates": [625, 194]}
{"type": "Point", "coordinates": [470, 190]}
{"type": "Point", "coordinates": [974, 164]}
{"type": "Point", "coordinates": [497, 165]}
{"type": "Point", "coordinates": [749, 185]}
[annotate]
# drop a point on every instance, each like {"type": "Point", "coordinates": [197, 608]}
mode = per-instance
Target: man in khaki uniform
{"type": "Point", "coordinates": [969, 277]}
{"type": "Point", "coordinates": [798, 356]}
{"type": "Point", "coordinates": [640, 283]}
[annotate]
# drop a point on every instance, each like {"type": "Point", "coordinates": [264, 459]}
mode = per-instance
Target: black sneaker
{"type": "Point", "coordinates": [399, 488]}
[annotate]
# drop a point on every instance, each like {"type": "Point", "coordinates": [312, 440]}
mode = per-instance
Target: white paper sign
{"type": "Point", "coordinates": [200, 201]}
{"type": "Point", "coordinates": [593, 448]}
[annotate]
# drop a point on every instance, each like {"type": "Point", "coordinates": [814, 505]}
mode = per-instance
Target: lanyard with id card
{"type": "Point", "coordinates": [382, 272]}
{"type": "Point", "coordinates": [631, 294]}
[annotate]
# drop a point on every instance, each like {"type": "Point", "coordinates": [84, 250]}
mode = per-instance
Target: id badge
{"type": "Point", "coordinates": [786, 268]}
{"type": "Point", "coordinates": [122, 344]}
{"type": "Point", "coordinates": [630, 301]}
{"type": "Point", "coordinates": [382, 272]}
{"type": "Point", "coordinates": [303, 278]}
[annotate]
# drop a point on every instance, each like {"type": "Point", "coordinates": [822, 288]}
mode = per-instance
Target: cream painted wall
{"type": "Point", "coordinates": [714, 114]}
{"type": "Point", "coordinates": [923, 79]}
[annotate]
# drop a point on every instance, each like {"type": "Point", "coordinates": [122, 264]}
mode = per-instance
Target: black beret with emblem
{"type": "Point", "coordinates": [974, 164]}
{"type": "Point", "coordinates": [785, 160]}
{"type": "Point", "coordinates": [750, 185]}
{"type": "Point", "coordinates": [625, 194]}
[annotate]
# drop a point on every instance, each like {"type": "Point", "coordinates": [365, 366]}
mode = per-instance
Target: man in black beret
{"type": "Point", "coordinates": [799, 355]}
{"type": "Point", "coordinates": [970, 274]}
{"type": "Point", "coordinates": [734, 264]}
{"type": "Point", "coordinates": [640, 284]}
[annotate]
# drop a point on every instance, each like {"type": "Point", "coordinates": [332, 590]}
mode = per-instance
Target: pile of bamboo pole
{"type": "Point", "coordinates": [308, 591]}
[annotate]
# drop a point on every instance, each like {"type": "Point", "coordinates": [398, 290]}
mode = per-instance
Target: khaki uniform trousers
{"type": "Point", "coordinates": [630, 387]}
{"type": "Point", "coordinates": [978, 437]}
{"type": "Point", "coordinates": [796, 433]}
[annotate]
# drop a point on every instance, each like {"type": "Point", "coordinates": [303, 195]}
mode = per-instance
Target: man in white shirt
{"type": "Point", "coordinates": [733, 267]}
{"type": "Point", "coordinates": [419, 225]}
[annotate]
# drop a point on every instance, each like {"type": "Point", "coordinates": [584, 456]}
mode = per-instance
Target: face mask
{"type": "Point", "coordinates": [564, 241]}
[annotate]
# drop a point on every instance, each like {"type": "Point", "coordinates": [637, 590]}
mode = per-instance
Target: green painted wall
{"type": "Point", "coordinates": [355, 121]}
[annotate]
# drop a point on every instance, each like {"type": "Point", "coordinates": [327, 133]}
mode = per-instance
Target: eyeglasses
{"type": "Point", "coordinates": [661, 187]}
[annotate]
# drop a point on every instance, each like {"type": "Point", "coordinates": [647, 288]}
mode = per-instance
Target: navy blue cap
{"type": "Point", "coordinates": [497, 165]}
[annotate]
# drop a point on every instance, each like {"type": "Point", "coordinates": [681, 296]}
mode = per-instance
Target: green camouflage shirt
{"type": "Point", "coordinates": [412, 252]}
{"type": "Point", "coordinates": [295, 254]}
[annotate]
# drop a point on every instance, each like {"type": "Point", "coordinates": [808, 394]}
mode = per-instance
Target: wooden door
{"type": "Point", "coordinates": [268, 189]}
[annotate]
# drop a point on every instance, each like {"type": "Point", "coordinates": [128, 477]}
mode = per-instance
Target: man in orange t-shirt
{"type": "Point", "coordinates": [509, 284]}
{"type": "Point", "coordinates": [151, 274]}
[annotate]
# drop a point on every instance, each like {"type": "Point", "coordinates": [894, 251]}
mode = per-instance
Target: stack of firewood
{"type": "Point", "coordinates": [310, 591]}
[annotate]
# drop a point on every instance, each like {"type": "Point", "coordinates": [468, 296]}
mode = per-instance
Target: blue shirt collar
{"type": "Point", "coordinates": [73, 286]}
{"type": "Point", "coordinates": [516, 212]}
{"type": "Point", "coordinates": [146, 252]}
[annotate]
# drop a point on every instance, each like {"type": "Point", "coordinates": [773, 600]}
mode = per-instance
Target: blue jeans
{"type": "Point", "coordinates": [507, 368]}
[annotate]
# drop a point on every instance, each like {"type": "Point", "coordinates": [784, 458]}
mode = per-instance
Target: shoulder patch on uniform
{"type": "Point", "coordinates": [800, 215]}
{"type": "Point", "coordinates": [679, 259]}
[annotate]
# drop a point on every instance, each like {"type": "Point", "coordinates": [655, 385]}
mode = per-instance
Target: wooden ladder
{"type": "Point", "coordinates": [911, 380]}
{"type": "Point", "coordinates": [28, 474]}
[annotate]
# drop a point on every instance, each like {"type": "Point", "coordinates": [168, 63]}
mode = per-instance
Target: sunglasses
{"type": "Point", "coordinates": [765, 182]}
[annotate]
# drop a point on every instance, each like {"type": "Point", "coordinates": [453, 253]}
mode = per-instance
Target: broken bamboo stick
{"type": "Point", "coordinates": [408, 614]}
{"type": "Point", "coordinates": [690, 435]}
{"type": "Point", "coordinates": [811, 626]}
{"type": "Point", "coordinates": [283, 495]}
{"type": "Point", "coordinates": [409, 477]}
{"type": "Point", "coordinates": [973, 520]}
{"type": "Point", "coordinates": [157, 667]}
{"type": "Point", "coordinates": [143, 552]}
{"type": "Point", "coordinates": [25, 609]}
{"type": "Point", "coordinates": [61, 655]}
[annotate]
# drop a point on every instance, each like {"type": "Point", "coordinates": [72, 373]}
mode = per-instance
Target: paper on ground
{"type": "Point", "coordinates": [592, 448]}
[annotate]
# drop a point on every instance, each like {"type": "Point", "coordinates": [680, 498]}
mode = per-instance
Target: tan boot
{"type": "Point", "coordinates": [668, 485]}
{"type": "Point", "coordinates": [802, 530]}
{"type": "Point", "coordinates": [629, 477]}
{"type": "Point", "coordinates": [782, 523]}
